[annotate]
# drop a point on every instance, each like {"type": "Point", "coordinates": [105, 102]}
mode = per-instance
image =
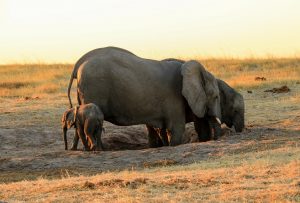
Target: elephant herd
{"type": "Point", "coordinates": [115, 85]}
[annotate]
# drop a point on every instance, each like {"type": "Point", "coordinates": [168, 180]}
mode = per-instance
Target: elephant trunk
{"type": "Point", "coordinates": [65, 137]}
{"type": "Point", "coordinates": [239, 124]}
{"type": "Point", "coordinates": [215, 127]}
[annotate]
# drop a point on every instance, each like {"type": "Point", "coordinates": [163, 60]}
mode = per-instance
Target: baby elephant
{"type": "Point", "coordinates": [88, 121]}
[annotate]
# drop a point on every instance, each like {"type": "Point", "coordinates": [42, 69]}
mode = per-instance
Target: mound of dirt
{"type": "Point", "coordinates": [135, 138]}
{"type": "Point", "coordinates": [282, 89]}
{"type": "Point", "coordinates": [130, 140]}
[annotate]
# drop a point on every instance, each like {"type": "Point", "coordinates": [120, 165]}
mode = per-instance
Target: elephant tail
{"type": "Point", "coordinates": [73, 76]}
{"type": "Point", "coordinates": [69, 90]}
{"type": "Point", "coordinates": [74, 73]}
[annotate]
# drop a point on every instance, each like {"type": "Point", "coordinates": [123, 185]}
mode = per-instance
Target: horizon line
{"type": "Point", "coordinates": [224, 58]}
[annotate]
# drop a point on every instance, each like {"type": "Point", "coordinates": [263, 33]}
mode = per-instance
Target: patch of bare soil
{"type": "Point", "coordinates": [31, 139]}
{"type": "Point", "coordinates": [282, 89]}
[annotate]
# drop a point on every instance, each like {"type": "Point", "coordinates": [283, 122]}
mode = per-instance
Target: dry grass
{"type": "Point", "coordinates": [242, 73]}
{"type": "Point", "coordinates": [268, 179]}
{"type": "Point", "coordinates": [40, 79]}
{"type": "Point", "coordinates": [33, 79]}
{"type": "Point", "coordinates": [263, 170]}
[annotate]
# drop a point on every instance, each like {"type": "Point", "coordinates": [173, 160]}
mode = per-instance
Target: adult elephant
{"type": "Point", "coordinates": [130, 90]}
{"type": "Point", "coordinates": [232, 111]}
{"type": "Point", "coordinates": [232, 114]}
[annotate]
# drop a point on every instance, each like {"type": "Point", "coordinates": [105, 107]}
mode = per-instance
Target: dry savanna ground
{"type": "Point", "coordinates": [259, 164]}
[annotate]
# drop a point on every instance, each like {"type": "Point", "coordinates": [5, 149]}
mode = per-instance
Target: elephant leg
{"type": "Point", "coordinates": [98, 139]}
{"type": "Point", "coordinates": [153, 138]}
{"type": "Point", "coordinates": [75, 141]}
{"type": "Point", "coordinates": [202, 129]}
{"type": "Point", "coordinates": [177, 134]}
{"type": "Point", "coordinates": [164, 136]}
{"type": "Point", "coordinates": [90, 129]}
{"type": "Point", "coordinates": [83, 138]}
{"type": "Point", "coordinates": [207, 128]}
{"type": "Point", "coordinates": [88, 142]}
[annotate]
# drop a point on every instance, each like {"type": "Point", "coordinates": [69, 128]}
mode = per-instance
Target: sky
{"type": "Point", "coordinates": [60, 31]}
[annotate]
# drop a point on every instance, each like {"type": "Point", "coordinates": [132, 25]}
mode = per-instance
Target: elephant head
{"type": "Point", "coordinates": [232, 107]}
{"type": "Point", "coordinates": [67, 121]}
{"type": "Point", "coordinates": [200, 89]}
{"type": "Point", "coordinates": [231, 102]}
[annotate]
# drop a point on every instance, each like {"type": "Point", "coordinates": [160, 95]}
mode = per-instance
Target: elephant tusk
{"type": "Point", "coordinates": [218, 120]}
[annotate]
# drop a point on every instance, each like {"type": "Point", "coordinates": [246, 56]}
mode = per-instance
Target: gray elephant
{"type": "Point", "coordinates": [88, 121]}
{"type": "Point", "coordinates": [130, 90]}
{"type": "Point", "coordinates": [232, 111]}
{"type": "Point", "coordinates": [232, 106]}
{"type": "Point", "coordinates": [232, 114]}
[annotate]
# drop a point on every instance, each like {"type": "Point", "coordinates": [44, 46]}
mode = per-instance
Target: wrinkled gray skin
{"type": "Point", "coordinates": [130, 90]}
{"type": "Point", "coordinates": [232, 107]}
{"type": "Point", "coordinates": [88, 121]}
{"type": "Point", "coordinates": [232, 114]}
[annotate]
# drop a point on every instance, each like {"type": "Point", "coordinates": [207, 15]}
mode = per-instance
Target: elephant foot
{"type": "Point", "coordinates": [177, 134]}
{"type": "Point", "coordinates": [94, 148]}
{"type": "Point", "coordinates": [73, 148]}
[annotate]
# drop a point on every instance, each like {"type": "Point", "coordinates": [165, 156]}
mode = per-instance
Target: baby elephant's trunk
{"type": "Point", "coordinates": [65, 138]}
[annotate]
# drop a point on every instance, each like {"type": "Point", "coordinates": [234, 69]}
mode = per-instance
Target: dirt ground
{"type": "Point", "coordinates": [31, 144]}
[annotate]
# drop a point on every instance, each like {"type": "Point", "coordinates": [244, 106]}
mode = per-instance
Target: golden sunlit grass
{"type": "Point", "coordinates": [275, 176]}
{"type": "Point", "coordinates": [34, 79]}
{"type": "Point", "coordinates": [242, 73]}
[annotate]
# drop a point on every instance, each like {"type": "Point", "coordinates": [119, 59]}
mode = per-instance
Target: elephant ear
{"type": "Point", "coordinates": [193, 87]}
